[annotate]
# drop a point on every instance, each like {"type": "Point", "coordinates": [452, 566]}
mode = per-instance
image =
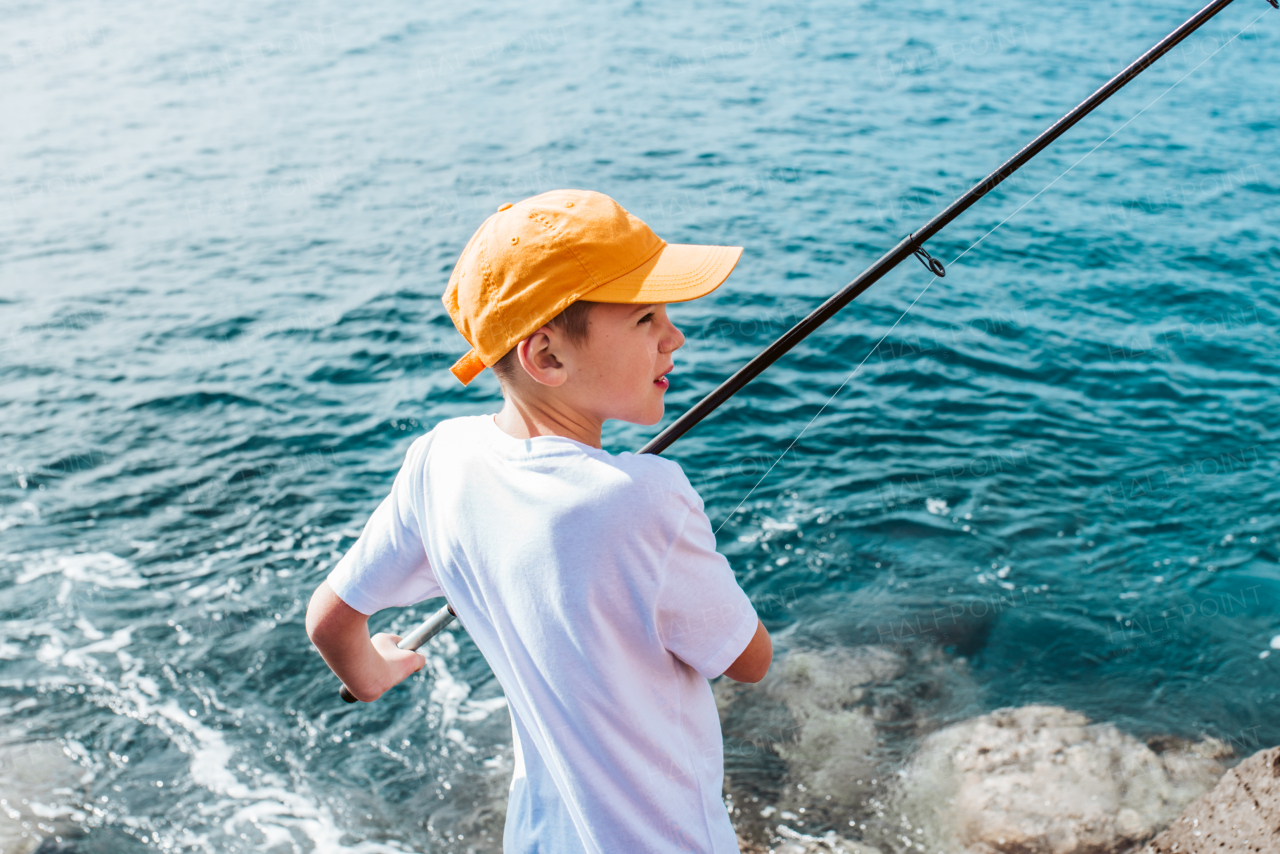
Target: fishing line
{"type": "Point", "coordinates": [972, 246]}
{"type": "Point", "coordinates": [910, 245]}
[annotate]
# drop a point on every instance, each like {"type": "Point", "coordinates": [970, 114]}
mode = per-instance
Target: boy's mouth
{"type": "Point", "coordinates": [662, 382]}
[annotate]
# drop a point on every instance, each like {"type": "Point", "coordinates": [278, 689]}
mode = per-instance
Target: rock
{"type": "Point", "coordinates": [41, 787]}
{"type": "Point", "coordinates": [1042, 780]}
{"type": "Point", "coordinates": [1241, 814]}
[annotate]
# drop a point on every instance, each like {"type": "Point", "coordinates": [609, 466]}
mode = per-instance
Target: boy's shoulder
{"type": "Point", "coordinates": [640, 490]}
{"type": "Point", "coordinates": [648, 475]}
{"type": "Point", "coordinates": [658, 477]}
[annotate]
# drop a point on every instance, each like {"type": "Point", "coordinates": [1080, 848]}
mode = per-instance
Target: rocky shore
{"type": "Point", "coordinates": [1029, 780]}
{"type": "Point", "coordinates": [1054, 797]}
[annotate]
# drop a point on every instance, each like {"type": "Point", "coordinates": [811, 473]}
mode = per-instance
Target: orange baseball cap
{"type": "Point", "coordinates": [531, 259]}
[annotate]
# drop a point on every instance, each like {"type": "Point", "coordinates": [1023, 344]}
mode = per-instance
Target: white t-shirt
{"type": "Point", "coordinates": [592, 585]}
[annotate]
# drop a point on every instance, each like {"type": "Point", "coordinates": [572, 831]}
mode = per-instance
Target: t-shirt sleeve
{"type": "Point", "coordinates": [388, 567]}
{"type": "Point", "coordinates": [703, 617]}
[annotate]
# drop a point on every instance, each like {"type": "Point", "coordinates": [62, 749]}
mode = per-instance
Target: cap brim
{"type": "Point", "coordinates": [677, 273]}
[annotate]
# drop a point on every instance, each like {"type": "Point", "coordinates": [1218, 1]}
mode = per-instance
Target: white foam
{"type": "Point", "coordinates": [79, 657]}
{"type": "Point", "coordinates": [447, 692]}
{"type": "Point", "coordinates": [478, 710]}
{"type": "Point", "coordinates": [87, 629]}
{"type": "Point", "coordinates": [20, 706]}
{"type": "Point", "coordinates": [210, 755]}
{"type": "Point", "coordinates": [452, 695]}
{"type": "Point", "coordinates": [53, 811]}
{"type": "Point", "coordinates": [281, 810]}
{"type": "Point", "coordinates": [273, 810]}
{"type": "Point", "coordinates": [31, 514]}
{"type": "Point", "coordinates": [101, 568]}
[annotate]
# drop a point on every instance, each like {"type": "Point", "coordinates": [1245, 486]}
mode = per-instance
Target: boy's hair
{"type": "Point", "coordinates": [573, 322]}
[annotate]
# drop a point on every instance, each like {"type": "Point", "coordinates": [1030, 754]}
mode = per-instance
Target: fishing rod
{"type": "Point", "coordinates": [911, 245]}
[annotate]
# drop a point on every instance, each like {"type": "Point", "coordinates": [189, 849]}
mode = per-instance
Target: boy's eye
{"type": "Point", "coordinates": [647, 317]}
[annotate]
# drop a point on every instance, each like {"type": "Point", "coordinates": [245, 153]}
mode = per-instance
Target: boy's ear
{"type": "Point", "coordinates": [537, 357]}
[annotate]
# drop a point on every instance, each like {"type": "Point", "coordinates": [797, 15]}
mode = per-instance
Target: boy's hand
{"type": "Point", "coordinates": [401, 663]}
{"type": "Point", "coordinates": [367, 666]}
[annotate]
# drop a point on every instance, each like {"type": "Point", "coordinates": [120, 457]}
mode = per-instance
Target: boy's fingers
{"type": "Point", "coordinates": [415, 663]}
{"type": "Point", "coordinates": [386, 646]}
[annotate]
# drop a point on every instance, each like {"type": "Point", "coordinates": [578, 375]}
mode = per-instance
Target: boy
{"type": "Point", "coordinates": [590, 582]}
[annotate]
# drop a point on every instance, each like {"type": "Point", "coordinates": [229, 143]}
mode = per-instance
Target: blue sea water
{"type": "Point", "coordinates": [224, 233]}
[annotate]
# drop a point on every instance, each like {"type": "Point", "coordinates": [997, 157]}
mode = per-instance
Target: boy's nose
{"type": "Point", "coordinates": [674, 339]}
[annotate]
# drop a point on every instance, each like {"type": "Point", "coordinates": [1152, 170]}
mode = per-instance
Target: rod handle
{"type": "Point", "coordinates": [428, 629]}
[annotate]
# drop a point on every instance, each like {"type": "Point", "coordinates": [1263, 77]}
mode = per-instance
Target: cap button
{"type": "Point", "coordinates": [568, 204]}
{"type": "Point", "coordinates": [503, 207]}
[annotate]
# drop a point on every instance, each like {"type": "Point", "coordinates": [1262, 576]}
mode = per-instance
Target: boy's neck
{"type": "Point", "coordinates": [525, 419]}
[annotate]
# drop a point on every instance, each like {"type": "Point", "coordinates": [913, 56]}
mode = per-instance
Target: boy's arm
{"type": "Point", "coordinates": [753, 663]}
{"type": "Point", "coordinates": [367, 666]}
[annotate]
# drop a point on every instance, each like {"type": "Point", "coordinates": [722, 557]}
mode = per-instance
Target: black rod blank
{"type": "Point", "coordinates": [908, 246]}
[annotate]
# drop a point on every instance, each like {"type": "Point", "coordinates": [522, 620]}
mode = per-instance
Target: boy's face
{"type": "Point", "coordinates": [620, 370]}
